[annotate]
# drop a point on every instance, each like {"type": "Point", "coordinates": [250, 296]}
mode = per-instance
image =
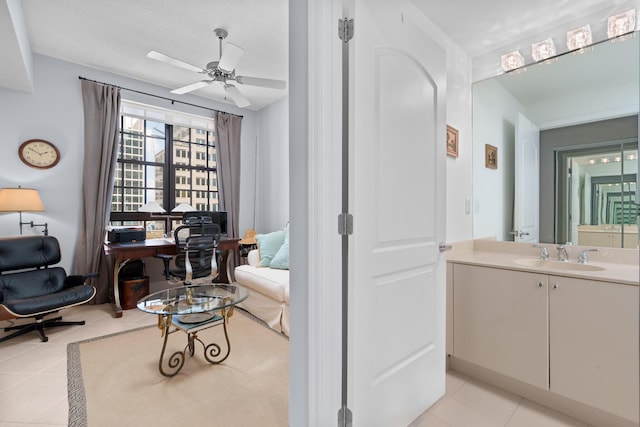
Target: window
{"type": "Point", "coordinates": [167, 158]}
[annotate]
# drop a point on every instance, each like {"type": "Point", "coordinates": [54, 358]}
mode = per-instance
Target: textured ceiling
{"type": "Point", "coordinates": [115, 35]}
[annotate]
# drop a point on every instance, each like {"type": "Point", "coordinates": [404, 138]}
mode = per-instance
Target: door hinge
{"type": "Point", "coordinates": [345, 419]}
{"type": "Point", "coordinates": [345, 29]}
{"type": "Point", "coordinates": [345, 224]}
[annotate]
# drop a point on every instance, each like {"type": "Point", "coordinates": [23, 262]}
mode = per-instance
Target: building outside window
{"type": "Point", "coordinates": [166, 157]}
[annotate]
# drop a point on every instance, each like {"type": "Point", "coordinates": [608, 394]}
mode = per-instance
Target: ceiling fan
{"type": "Point", "coordinates": [223, 71]}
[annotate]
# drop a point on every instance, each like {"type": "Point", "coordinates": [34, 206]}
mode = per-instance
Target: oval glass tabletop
{"type": "Point", "coordinates": [193, 299]}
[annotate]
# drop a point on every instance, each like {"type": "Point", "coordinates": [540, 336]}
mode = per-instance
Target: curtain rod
{"type": "Point", "coordinates": [157, 96]}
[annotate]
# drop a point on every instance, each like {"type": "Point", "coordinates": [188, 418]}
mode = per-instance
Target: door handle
{"type": "Point", "coordinates": [444, 247]}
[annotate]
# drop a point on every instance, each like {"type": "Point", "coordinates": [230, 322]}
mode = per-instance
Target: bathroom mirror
{"type": "Point", "coordinates": [567, 109]}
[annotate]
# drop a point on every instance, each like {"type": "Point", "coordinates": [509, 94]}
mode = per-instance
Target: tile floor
{"type": "Point", "coordinates": [472, 403]}
{"type": "Point", "coordinates": [33, 381]}
{"type": "Point", "coordinates": [33, 374]}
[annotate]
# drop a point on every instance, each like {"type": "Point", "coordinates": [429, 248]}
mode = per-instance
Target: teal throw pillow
{"type": "Point", "coordinates": [269, 244]}
{"type": "Point", "coordinates": [281, 258]}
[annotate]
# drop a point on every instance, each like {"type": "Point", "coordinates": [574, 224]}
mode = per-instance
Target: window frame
{"type": "Point", "coordinates": [190, 138]}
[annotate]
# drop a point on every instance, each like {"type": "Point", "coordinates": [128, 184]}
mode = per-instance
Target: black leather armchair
{"type": "Point", "coordinates": [31, 287]}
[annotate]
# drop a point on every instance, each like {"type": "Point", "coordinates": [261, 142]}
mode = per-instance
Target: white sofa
{"type": "Point", "coordinates": [268, 292]}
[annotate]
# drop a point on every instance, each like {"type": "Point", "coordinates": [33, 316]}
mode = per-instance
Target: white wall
{"type": "Point", "coordinates": [272, 168]}
{"type": "Point", "coordinates": [53, 111]}
{"type": "Point", "coordinates": [495, 113]}
{"type": "Point", "coordinates": [459, 192]}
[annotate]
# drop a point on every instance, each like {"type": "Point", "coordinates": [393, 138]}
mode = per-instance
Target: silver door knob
{"type": "Point", "coordinates": [443, 247]}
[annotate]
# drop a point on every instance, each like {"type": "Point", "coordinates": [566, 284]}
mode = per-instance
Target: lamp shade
{"type": "Point", "coordinates": [151, 207]}
{"type": "Point", "coordinates": [20, 200]}
{"type": "Point", "coordinates": [183, 207]}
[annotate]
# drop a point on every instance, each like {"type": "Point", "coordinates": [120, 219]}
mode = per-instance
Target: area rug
{"type": "Point", "coordinates": [115, 381]}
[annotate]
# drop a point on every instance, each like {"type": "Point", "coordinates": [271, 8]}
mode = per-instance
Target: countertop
{"type": "Point", "coordinates": [619, 265]}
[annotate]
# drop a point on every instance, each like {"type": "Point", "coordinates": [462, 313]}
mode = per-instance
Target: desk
{"type": "Point", "coordinates": [121, 253]}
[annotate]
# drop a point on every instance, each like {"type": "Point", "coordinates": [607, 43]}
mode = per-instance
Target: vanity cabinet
{"type": "Point", "coordinates": [576, 338]}
{"type": "Point", "coordinates": [593, 342]}
{"type": "Point", "coordinates": [500, 321]}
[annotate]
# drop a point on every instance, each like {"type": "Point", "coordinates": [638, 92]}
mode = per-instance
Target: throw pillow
{"type": "Point", "coordinates": [268, 246]}
{"type": "Point", "coordinates": [281, 258]}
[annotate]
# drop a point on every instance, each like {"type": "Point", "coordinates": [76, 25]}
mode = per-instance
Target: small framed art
{"type": "Point", "coordinates": [490, 156]}
{"type": "Point", "coordinates": [452, 141]}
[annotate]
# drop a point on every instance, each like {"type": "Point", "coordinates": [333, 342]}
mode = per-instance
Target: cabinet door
{"type": "Point", "coordinates": [594, 344]}
{"type": "Point", "coordinates": [500, 321]}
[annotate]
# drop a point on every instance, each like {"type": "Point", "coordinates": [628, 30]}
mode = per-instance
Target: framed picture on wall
{"type": "Point", "coordinates": [452, 141]}
{"type": "Point", "coordinates": [490, 156]}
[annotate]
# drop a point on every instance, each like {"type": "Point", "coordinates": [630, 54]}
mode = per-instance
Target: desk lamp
{"type": "Point", "coordinates": [22, 200]}
{"type": "Point", "coordinates": [152, 208]}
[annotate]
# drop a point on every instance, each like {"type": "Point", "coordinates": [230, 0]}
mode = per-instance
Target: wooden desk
{"type": "Point", "coordinates": [121, 253]}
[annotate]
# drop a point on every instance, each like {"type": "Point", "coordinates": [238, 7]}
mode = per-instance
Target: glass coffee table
{"type": "Point", "coordinates": [191, 309]}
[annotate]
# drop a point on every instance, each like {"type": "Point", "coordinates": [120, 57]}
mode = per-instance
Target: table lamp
{"type": "Point", "coordinates": [151, 207]}
{"type": "Point", "coordinates": [22, 200]}
{"type": "Point", "coordinates": [183, 207]}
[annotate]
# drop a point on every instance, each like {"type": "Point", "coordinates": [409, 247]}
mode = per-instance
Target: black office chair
{"type": "Point", "coordinates": [196, 243]}
{"type": "Point", "coordinates": [31, 288]}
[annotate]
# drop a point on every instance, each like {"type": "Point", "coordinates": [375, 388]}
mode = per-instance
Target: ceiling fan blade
{"type": "Point", "coordinates": [257, 81]}
{"type": "Point", "coordinates": [236, 96]}
{"type": "Point", "coordinates": [191, 87]}
{"type": "Point", "coordinates": [231, 55]}
{"type": "Point", "coordinates": [173, 61]}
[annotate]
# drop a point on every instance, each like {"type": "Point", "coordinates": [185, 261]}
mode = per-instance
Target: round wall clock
{"type": "Point", "coordinates": [39, 153]}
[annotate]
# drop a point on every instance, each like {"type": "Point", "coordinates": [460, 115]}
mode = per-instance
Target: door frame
{"type": "Point", "coordinates": [315, 130]}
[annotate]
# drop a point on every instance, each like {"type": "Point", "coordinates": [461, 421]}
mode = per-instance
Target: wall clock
{"type": "Point", "coordinates": [39, 153]}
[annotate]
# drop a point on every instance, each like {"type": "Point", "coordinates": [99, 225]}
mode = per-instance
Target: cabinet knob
{"type": "Point", "coordinates": [555, 286]}
{"type": "Point", "coordinates": [540, 284]}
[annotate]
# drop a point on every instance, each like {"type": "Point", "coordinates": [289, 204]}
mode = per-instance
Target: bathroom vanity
{"type": "Point", "coordinates": [564, 334]}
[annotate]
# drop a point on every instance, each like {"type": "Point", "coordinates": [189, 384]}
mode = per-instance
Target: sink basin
{"type": "Point", "coordinates": [557, 265]}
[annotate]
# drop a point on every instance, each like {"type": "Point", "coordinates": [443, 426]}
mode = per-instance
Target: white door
{"type": "Point", "coordinates": [396, 358]}
{"type": "Point", "coordinates": [527, 182]}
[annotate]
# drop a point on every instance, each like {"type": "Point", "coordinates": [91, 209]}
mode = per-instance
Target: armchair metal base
{"type": "Point", "coordinates": [39, 326]}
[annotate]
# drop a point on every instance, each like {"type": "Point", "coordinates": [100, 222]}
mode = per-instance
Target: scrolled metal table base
{"type": "Point", "coordinates": [213, 353]}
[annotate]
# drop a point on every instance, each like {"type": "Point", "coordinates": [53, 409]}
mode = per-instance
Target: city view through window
{"type": "Point", "coordinates": [166, 163]}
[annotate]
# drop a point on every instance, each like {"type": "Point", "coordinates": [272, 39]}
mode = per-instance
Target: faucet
{"type": "Point", "coordinates": [544, 252]}
{"type": "Point", "coordinates": [562, 253]}
{"type": "Point", "coordinates": [583, 258]}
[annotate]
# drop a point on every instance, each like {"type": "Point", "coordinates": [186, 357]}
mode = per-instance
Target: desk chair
{"type": "Point", "coordinates": [196, 243]}
{"type": "Point", "coordinates": [31, 287]}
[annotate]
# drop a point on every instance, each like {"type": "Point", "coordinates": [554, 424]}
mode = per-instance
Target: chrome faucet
{"type": "Point", "coordinates": [562, 253]}
{"type": "Point", "coordinates": [583, 258]}
{"type": "Point", "coordinates": [544, 252]}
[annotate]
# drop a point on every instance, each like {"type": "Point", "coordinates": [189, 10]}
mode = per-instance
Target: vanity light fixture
{"type": "Point", "coordinates": [621, 24]}
{"type": "Point", "coordinates": [512, 60]}
{"type": "Point", "coordinates": [543, 50]}
{"type": "Point", "coordinates": [631, 157]}
{"type": "Point", "coordinates": [579, 38]}
{"type": "Point", "coordinates": [618, 159]}
{"type": "Point", "coordinates": [605, 160]}
{"type": "Point", "coordinates": [592, 162]}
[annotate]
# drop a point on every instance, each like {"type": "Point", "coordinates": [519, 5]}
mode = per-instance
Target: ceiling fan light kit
{"type": "Point", "coordinates": [223, 70]}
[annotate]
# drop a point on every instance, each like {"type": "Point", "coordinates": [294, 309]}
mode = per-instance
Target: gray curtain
{"type": "Point", "coordinates": [101, 120]}
{"type": "Point", "coordinates": [228, 128]}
